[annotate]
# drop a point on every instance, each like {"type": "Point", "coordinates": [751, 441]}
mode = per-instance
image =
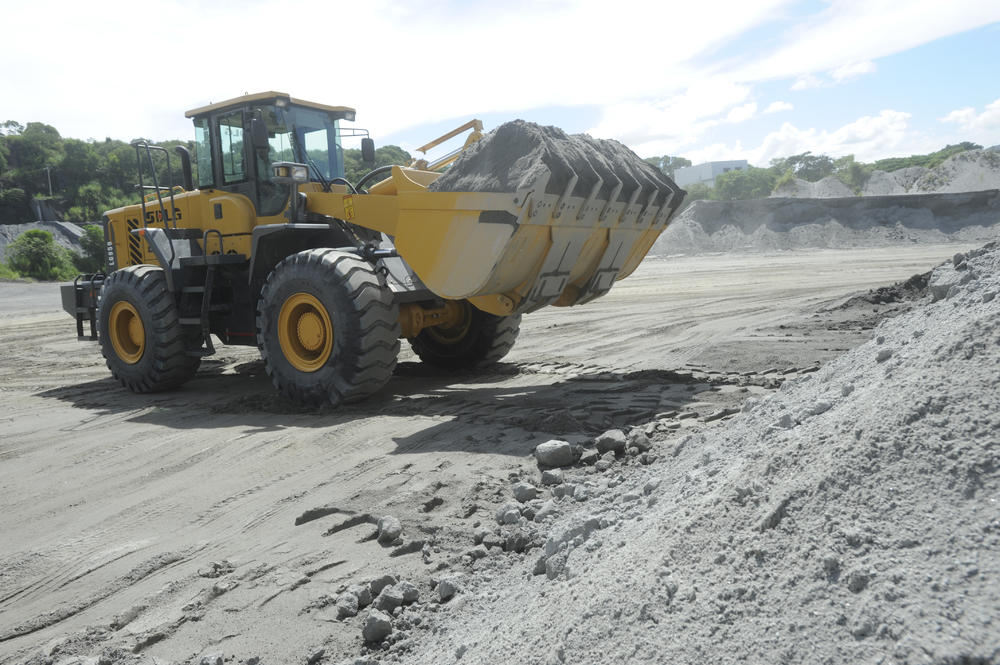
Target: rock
{"type": "Point", "coordinates": [389, 529]}
{"type": "Point", "coordinates": [316, 657]}
{"type": "Point", "coordinates": [524, 492]}
{"type": "Point", "coordinates": [548, 508]}
{"type": "Point", "coordinates": [508, 513]}
{"type": "Point", "coordinates": [552, 477]}
{"type": "Point", "coordinates": [211, 659]}
{"type": "Point", "coordinates": [347, 605]}
{"type": "Point", "coordinates": [362, 592]}
{"type": "Point", "coordinates": [379, 583]}
{"type": "Point", "coordinates": [408, 590]}
{"type": "Point", "coordinates": [516, 541]}
{"type": "Point", "coordinates": [554, 453]}
{"type": "Point", "coordinates": [581, 493]}
{"type": "Point", "coordinates": [589, 457]}
{"type": "Point", "coordinates": [378, 626]}
{"type": "Point", "coordinates": [566, 489]}
{"type": "Point", "coordinates": [819, 407]}
{"type": "Point", "coordinates": [447, 588]}
{"type": "Point", "coordinates": [602, 465]}
{"type": "Point", "coordinates": [611, 441]}
{"type": "Point", "coordinates": [390, 598]}
{"type": "Point", "coordinates": [639, 439]}
{"type": "Point", "coordinates": [883, 355]}
{"type": "Point", "coordinates": [479, 552]}
{"type": "Point", "coordinates": [651, 485]}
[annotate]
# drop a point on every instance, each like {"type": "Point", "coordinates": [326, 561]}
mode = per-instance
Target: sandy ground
{"type": "Point", "coordinates": [219, 518]}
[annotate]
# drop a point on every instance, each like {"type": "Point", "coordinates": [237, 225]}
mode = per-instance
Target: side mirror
{"type": "Point", "coordinates": [258, 137]}
{"type": "Point", "coordinates": [367, 151]}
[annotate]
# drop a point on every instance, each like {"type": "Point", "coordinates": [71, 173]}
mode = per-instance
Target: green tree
{"type": "Point", "coordinates": [806, 166]}
{"type": "Point", "coordinates": [15, 207]}
{"type": "Point", "coordinates": [668, 164]}
{"type": "Point", "coordinates": [35, 254]}
{"type": "Point", "coordinates": [355, 169]}
{"type": "Point", "coordinates": [929, 160]}
{"type": "Point", "coordinates": [92, 242]}
{"type": "Point", "coordinates": [852, 173]}
{"type": "Point", "coordinates": [751, 183]}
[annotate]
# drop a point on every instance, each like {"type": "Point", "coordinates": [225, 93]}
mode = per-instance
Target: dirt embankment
{"type": "Point", "coordinates": [970, 171]}
{"type": "Point", "coordinates": [791, 223]}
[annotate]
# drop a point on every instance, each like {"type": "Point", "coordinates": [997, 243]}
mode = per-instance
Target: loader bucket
{"type": "Point", "coordinates": [529, 217]}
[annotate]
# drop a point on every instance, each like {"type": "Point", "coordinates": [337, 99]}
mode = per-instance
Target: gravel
{"type": "Point", "coordinates": [865, 528]}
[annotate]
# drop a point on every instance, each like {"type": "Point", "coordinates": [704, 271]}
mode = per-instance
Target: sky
{"type": "Point", "coordinates": [752, 80]}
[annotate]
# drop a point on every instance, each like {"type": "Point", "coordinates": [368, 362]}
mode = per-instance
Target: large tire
{"type": "Point", "coordinates": [140, 333]}
{"type": "Point", "coordinates": [480, 339]}
{"type": "Point", "coordinates": [327, 327]}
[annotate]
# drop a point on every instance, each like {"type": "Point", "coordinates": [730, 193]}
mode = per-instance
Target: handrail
{"type": "Point", "coordinates": [477, 133]}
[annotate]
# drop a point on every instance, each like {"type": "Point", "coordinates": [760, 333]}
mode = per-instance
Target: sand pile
{"type": "Point", "coordinates": [790, 223]}
{"type": "Point", "coordinates": [65, 234]}
{"type": "Point", "coordinates": [519, 155]}
{"type": "Point", "coordinates": [970, 171]}
{"type": "Point", "coordinates": [850, 517]}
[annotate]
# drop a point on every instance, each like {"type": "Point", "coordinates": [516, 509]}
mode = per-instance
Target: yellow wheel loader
{"type": "Point", "coordinates": [271, 246]}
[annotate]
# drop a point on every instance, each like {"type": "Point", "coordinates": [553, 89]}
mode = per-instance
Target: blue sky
{"type": "Point", "coordinates": [723, 80]}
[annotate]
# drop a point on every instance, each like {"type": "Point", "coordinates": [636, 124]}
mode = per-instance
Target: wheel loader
{"type": "Point", "coordinates": [271, 246]}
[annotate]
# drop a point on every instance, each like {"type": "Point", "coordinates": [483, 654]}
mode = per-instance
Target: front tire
{"type": "Point", "coordinates": [327, 327]}
{"type": "Point", "coordinates": [140, 332]}
{"type": "Point", "coordinates": [479, 339]}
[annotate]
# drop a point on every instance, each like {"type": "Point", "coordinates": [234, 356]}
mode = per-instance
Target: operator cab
{"type": "Point", "coordinates": [238, 141]}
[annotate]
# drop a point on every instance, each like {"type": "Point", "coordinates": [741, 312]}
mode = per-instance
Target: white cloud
{"type": "Point", "coordinates": [856, 32]}
{"type": "Point", "coordinates": [868, 138]}
{"type": "Point", "coordinates": [852, 70]}
{"type": "Point", "coordinates": [432, 61]}
{"type": "Point", "coordinates": [807, 82]}
{"type": "Point", "coordinates": [741, 113]}
{"type": "Point", "coordinates": [677, 121]}
{"type": "Point", "coordinates": [777, 107]}
{"type": "Point", "coordinates": [982, 127]}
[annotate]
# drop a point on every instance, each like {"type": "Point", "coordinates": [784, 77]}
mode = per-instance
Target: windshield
{"type": "Point", "coordinates": [307, 136]}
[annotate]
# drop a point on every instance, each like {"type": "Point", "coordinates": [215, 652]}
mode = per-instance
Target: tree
{"type": "Point", "coordinates": [806, 166]}
{"type": "Point", "coordinates": [35, 254]}
{"type": "Point", "coordinates": [93, 245]}
{"type": "Point", "coordinates": [851, 173]}
{"type": "Point", "coordinates": [355, 169]}
{"type": "Point", "coordinates": [668, 164]}
{"type": "Point", "coordinates": [752, 183]}
{"type": "Point", "coordinates": [15, 207]}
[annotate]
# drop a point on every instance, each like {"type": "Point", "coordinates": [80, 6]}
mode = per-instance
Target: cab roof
{"type": "Point", "coordinates": [236, 102]}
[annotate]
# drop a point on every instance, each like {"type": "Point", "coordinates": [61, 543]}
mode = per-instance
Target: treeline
{"type": "Point", "coordinates": [758, 183]}
{"type": "Point", "coordinates": [82, 179]}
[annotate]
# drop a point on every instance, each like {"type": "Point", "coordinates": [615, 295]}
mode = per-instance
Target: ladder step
{"type": "Point", "coordinates": [193, 289]}
{"type": "Point", "coordinates": [198, 353]}
{"type": "Point", "coordinates": [190, 320]}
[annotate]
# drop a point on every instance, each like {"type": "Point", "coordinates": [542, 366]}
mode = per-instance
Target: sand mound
{"type": "Point", "coordinates": [518, 155]}
{"type": "Point", "coordinates": [850, 517]}
{"type": "Point", "coordinates": [791, 223]}
{"type": "Point", "coordinates": [65, 234]}
{"type": "Point", "coordinates": [970, 171]}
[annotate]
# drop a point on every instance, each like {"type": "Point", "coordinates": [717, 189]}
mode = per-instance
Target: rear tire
{"type": "Point", "coordinates": [479, 340]}
{"type": "Point", "coordinates": [140, 333]}
{"type": "Point", "coordinates": [327, 327]}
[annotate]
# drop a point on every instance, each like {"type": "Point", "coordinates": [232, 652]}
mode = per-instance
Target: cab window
{"type": "Point", "coordinates": [233, 149]}
{"type": "Point", "coordinates": [203, 154]}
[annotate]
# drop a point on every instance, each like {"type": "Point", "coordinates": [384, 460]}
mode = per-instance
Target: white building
{"type": "Point", "coordinates": [707, 173]}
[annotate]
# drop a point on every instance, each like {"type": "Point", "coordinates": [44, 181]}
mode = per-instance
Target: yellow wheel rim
{"type": "Point", "coordinates": [128, 335]}
{"type": "Point", "coordinates": [305, 332]}
{"type": "Point", "coordinates": [454, 333]}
